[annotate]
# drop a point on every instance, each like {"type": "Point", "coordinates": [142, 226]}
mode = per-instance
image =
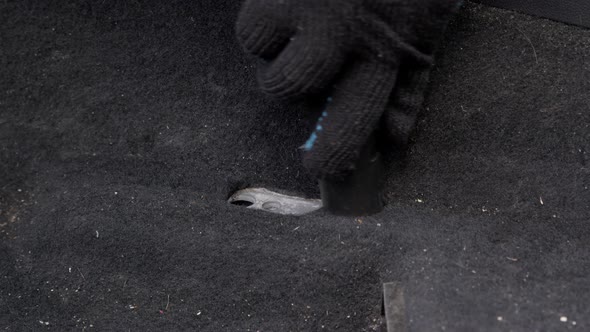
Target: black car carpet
{"type": "Point", "coordinates": [124, 127]}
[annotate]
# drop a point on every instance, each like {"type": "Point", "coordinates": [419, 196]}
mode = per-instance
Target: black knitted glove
{"type": "Point", "coordinates": [373, 56]}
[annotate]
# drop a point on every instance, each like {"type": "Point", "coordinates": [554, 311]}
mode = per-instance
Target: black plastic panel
{"type": "Point", "coordinates": [569, 11]}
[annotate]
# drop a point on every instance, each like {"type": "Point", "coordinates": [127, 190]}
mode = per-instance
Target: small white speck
{"type": "Point", "coordinates": [500, 318]}
{"type": "Point", "coordinates": [199, 313]}
{"type": "Point", "coordinates": [473, 271]}
{"type": "Point", "coordinates": [541, 200]}
{"type": "Point", "coordinates": [378, 225]}
{"type": "Point", "coordinates": [97, 234]}
{"type": "Point", "coordinates": [116, 193]}
{"type": "Point", "coordinates": [419, 200]}
{"type": "Point", "coordinates": [70, 270]}
{"type": "Point", "coordinates": [19, 190]}
{"type": "Point", "coordinates": [563, 319]}
{"type": "Point", "coordinates": [574, 322]}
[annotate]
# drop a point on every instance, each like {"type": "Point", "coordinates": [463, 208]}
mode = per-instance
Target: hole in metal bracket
{"type": "Point", "coordinates": [242, 203]}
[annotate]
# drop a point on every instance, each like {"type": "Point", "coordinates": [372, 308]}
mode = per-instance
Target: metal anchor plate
{"type": "Point", "coordinates": [266, 200]}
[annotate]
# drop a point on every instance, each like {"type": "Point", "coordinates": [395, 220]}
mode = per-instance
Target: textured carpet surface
{"type": "Point", "coordinates": [124, 126]}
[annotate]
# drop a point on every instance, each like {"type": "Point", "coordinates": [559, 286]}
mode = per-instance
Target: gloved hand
{"type": "Point", "coordinates": [373, 56]}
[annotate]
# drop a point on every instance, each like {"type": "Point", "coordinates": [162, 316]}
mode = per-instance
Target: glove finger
{"type": "Point", "coordinates": [405, 104]}
{"type": "Point", "coordinates": [264, 27]}
{"type": "Point", "coordinates": [352, 115]}
{"type": "Point", "coordinates": [307, 65]}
